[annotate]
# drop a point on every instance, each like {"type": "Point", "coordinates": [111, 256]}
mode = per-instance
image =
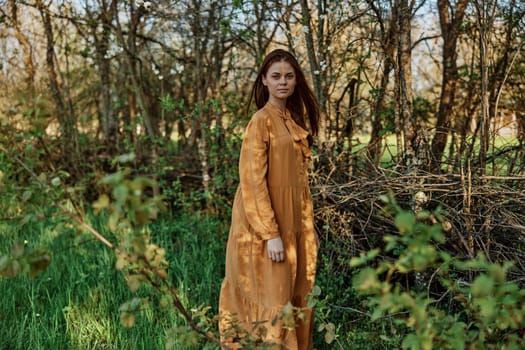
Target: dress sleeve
{"type": "Point", "coordinates": [253, 169]}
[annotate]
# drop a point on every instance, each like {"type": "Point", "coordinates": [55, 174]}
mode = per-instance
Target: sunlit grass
{"type": "Point", "coordinates": [74, 304]}
{"type": "Point", "coordinates": [500, 153]}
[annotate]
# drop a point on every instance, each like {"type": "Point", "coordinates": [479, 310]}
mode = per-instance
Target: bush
{"type": "Point", "coordinates": [489, 312]}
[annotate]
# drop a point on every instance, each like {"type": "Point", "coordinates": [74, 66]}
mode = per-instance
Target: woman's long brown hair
{"type": "Point", "coordinates": [302, 98]}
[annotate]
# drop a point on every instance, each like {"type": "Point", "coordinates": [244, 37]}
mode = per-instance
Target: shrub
{"type": "Point", "coordinates": [489, 313]}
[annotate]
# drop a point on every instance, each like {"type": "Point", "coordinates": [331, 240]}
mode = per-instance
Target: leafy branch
{"type": "Point", "coordinates": [134, 202]}
{"type": "Point", "coordinates": [491, 313]}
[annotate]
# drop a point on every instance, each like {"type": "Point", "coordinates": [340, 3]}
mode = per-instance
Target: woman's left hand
{"type": "Point", "coordinates": [275, 249]}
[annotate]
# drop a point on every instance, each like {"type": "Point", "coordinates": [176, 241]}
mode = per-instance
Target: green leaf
{"type": "Point", "coordinates": [384, 198]}
{"type": "Point", "coordinates": [366, 280]}
{"type": "Point", "coordinates": [38, 263]}
{"type": "Point", "coordinates": [17, 250]}
{"type": "Point", "coordinates": [287, 316]}
{"type": "Point", "coordinates": [185, 336]}
{"type": "Point", "coordinates": [316, 291]}
{"type": "Point", "coordinates": [329, 336]}
{"type": "Point", "coordinates": [372, 253]}
{"type": "Point", "coordinates": [165, 301]}
{"type": "Point", "coordinates": [313, 297]}
{"type": "Point", "coordinates": [127, 319]}
{"type": "Point", "coordinates": [423, 215]}
{"type": "Point", "coordinates": [101, 203]}
{"type": "Point", "coordinates": [312, 303]}
{"type": "Point", "coordinates": [4, 260]}
{"type": "Point", "coordinates": [113, 221]}
{"type": "Point", "coordinates": [135, 304]}
{"type": "Point", "coordinates": [55, 181]}
{"type": "Point", "coordinates": [411, 341]}
{"type": "Point", "coordinates": [42, 177]}
{"type": "Point", "coordinates": [483, 285]}
{"type": "Point", "coordinates": [391, 245]}
{"type": "Point", "coordinates": [420, 262]}
{"type": "Point", "coordinates": [134, 282]}
{"type": "Point", "coordinates": [120, 193]}
{"type": "Point", "coordinates": [114, 179]}
{"type": "Point", "coordinates": [436, 233]}
{"type": "Point", "coordinates": [10, 268]}
{"type": "Point", "coordinates": [27, 218]}
{"type": "Point", "coordinates": [27, 195]}
{"type": "Point", "coordinates": [498, 272]}
{"type": "Point", "coordinates": [456, 335]}
{"type": "Point", "coordinates": [377, 314]}
{"type": "Point", "coordinates": [405, 222]}
{"type": "Point", "coordinates": [121, 261]}
{"type": "Point", "coordinates": [125, 158]}
{"type": "Point", "coordinates": [357, 261]}
{"type": "Point", "coordinates": [488, 308]}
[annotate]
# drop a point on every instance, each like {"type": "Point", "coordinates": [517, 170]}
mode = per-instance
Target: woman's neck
{"type": "Point", "coordinates": [281, 104]}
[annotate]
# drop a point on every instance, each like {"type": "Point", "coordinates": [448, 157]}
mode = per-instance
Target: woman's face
{"type": "Point", "coordinates": [280, 80]}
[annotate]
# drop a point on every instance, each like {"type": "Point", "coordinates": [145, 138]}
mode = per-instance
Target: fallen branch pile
{"type": "Point", "coordinates": [484, 214]}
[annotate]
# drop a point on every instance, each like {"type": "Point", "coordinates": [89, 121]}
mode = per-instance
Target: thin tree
{"type": "Point", "coordinates": [405, 123]}
{"type": "Point", "coordinates": [11, 15]}
{"type": "Point", "coordinates": [450, 19]}
{"type": "Point", "coordinates": [63, 104]}
{"type": "Point", "coordinates": [388, 28]}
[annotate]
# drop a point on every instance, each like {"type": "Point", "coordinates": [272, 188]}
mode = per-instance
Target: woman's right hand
{"type": "Point", "coordinates": [275, 249]}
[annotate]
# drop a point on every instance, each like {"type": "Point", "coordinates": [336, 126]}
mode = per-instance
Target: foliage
{"type": "Point", "coordinates": [345, 308]}
{"type": "Point", "coordinates": [22, 260]}
{"type": "Point", "coordinates": [128, 206]}
{"type": "Point", "coordinates": [134, 202]}
{"type": "Point", "coordinates": [26, 204]}
{"type": "Point", "coordinates": [75, 302]}
{"type": "Point", "coordinates": [490, 312]}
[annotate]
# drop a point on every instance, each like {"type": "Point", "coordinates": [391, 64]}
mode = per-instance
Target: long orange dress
{"type": "Point", "coordinates": [273, 199]}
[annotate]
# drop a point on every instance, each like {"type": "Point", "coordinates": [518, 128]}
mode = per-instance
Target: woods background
{"type": "Point", "coordinates": [425, 99]}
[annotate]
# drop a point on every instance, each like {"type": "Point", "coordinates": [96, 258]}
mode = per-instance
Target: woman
{"type": "Point", "coordinates": [272, 246]}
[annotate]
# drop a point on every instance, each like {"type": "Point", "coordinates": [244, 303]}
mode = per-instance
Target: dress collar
{"type": "Point", "coordinates": [285, 115]}
{"type": "Point", "coordinates": [297, 133]}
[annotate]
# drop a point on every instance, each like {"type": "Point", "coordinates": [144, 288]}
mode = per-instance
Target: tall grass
{"type": "Point", "coordinates": [75, 303]}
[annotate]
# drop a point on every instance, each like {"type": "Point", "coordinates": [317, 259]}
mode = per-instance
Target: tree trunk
{"type": "Point", "coordinates": [26, 47]}
{"type": "Point", "coordinates": [314, 66]}
{"type": "Point", "coordinates": [65, 115]}
{"type": "Point", "coordinates": [108, 119]}
{"type": "Point", "coordinates": [503, 63]}
{"type": "Point", "coordinates": [134, 65]}
{"type": "Point", "coordinates": [483, 21]}
{"type": "Point", "coordinates": [379, 111]}
{"type": "Point", "coordinates": [450, 20]}
{"type": "Point", "coordinates": [404, 112]}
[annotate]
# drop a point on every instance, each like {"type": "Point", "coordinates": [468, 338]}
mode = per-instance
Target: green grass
{"type": "Point", "coordinates": [74, 304]}
{"type": "Point", "coordinates": [499, 166]}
